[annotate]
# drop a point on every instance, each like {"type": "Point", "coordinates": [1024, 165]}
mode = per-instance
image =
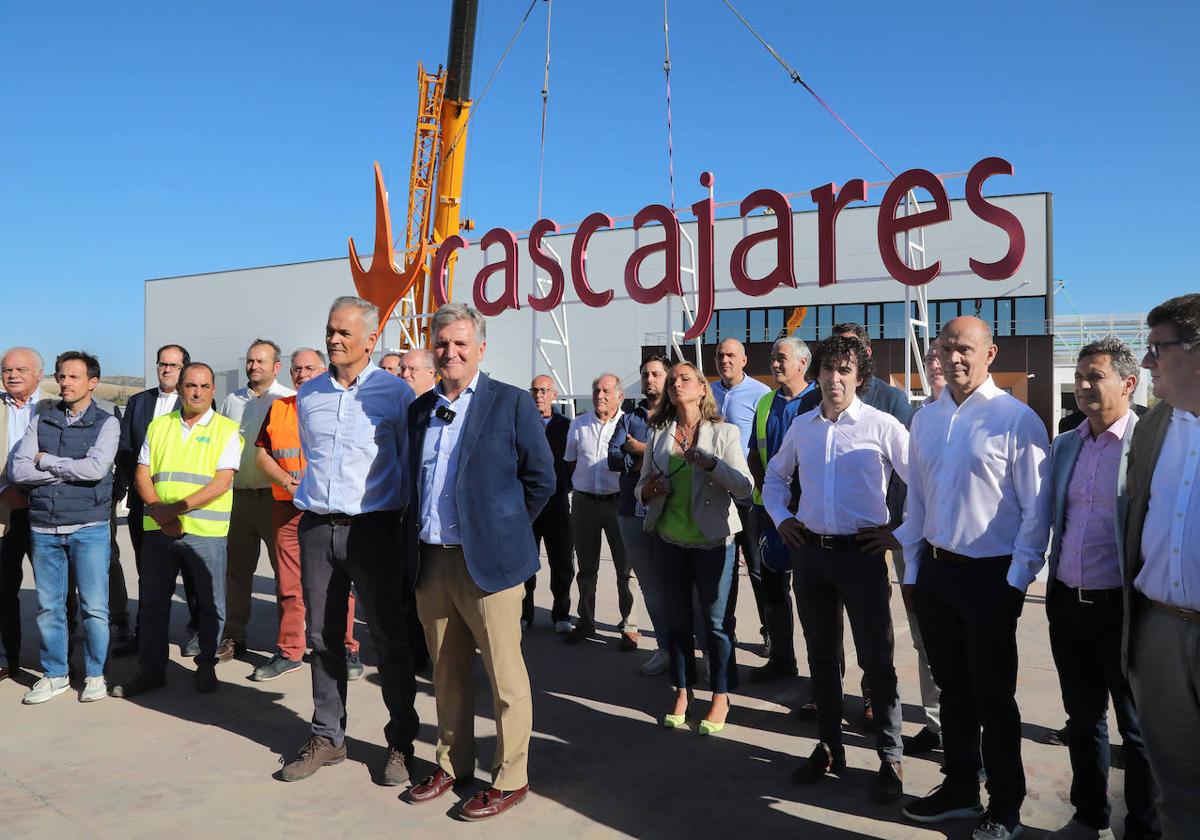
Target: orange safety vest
{"type": "Point", "coordinates": [283, 428]}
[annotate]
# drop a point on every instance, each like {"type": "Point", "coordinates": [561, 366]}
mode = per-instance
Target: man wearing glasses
{"type": "Point", "coordinates": [553, 525]}
{"type": "Point", "coordinates": [139, 411]}
{"type": "Point", "coordinates": [1162, 575]}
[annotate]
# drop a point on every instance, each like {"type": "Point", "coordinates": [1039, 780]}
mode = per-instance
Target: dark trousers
{"type": "Point", "coordinates": [1086, 642]}
{"type": "Point", "coordinates": [709, 573]}
{"type": "Point", "coordinates": [14, 548]}
{"type": "Point", "coordinates": [772, 589]}
{"type": "Point", "coordinates": [368, 552]}
{"type": "Point", "coordinates": [162, 560]}
{"type": "Point", "coordinates": [552, 528]}
{"type": "Point", "coordinates": [968, 620]}
{"type": "Point", "coordinates": [136, 536]}
{"type": "Point", "coordinates": [826, 581]}
{"type": "Point", "coordinates": [118, 596]}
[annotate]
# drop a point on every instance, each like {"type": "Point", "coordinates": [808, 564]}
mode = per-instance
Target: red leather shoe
{"type": "Point", "coordinates": [433, 787]}
{"type": "Point", "coordinates": [492, 802]}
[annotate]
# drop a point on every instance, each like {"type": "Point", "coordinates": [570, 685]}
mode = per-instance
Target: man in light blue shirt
{"type": "Point", "coordinates": [354, 436]}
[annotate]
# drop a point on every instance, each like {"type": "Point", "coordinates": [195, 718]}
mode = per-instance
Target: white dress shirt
{"type": "Point", "coordinates": [587, 446]}
{"type": "Point", "coordinates": [249, 410]}
{"type": "Point", "coordinates": [355, 442]}
{"type": "Point", "coordinates": [164, 403]}
{"type": "Point", "coordinates": [1171, 535]}
{"type": "Point", "coordinates": [844, 468]}
{"type": "Point", "coordinates": [230, 456]}
{"type": "Point", "coordinates": [979, 484]}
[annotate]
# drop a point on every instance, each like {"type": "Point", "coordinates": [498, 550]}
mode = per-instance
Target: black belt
{"type": "Point", "coordinates": [600, 497]}
{"type": "Point", "coordinates": [253, 491]}
{"type": "Point", "coordinates": [1091, 596]}
{"type": "Point", "coordinates": [452, 547]}
{"type": "Point", "coordinates": [831, 542]}
{"type": "Point", "coordinates": [946, 556]}
{"type": "Point", "coordinates": [1190, 616]}
{"type": "Point", "coordinates": [348, 519]}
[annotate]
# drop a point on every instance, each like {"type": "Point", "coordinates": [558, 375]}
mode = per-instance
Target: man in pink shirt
{"type": "Point", "coordinates": [1083, 601]}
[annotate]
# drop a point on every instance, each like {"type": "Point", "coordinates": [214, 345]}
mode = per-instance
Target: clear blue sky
{"type": "Point", "coordinates": [148, 139]}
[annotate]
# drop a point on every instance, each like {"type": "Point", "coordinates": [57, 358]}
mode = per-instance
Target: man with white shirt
{"type": "Point", "coordinates": [21, 375]}
{"type": "Point", "coordinates": [974, 538]}
{"type": "Point", "coordinates": [417, 369]}
{"type": "Point", "coordinates": [597, 490]}
{"type": "Point", "coordinates": [1161, 636]}
{"type": "Point", "coordinates": [353, 435]}
{"type": "Point", "coordinates": [844, 453]}
{"type": "Point", "coordinates": [143, 408]}
{"type": "Point", "coordinates": [252, 524]}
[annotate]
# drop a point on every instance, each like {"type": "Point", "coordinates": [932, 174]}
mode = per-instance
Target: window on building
{"type": "Point", "coordinates": [824, 320]}
{"type": "Point", "coordinates": [1004, 316]}
{"type": "Point", "coordinates": [987, 312]}
{"type": "Point", "coordinates": [894, 325]}
{"type": "Point", "coordinates": [758, 325]}
{"type": "Point", "coordinates": [847, 312]}
{"type": "Point", "coordinates": [1031, 316]}
{"type": "Point", "coordinates": [874, 322]}
{"type": "Point", "coordinates": [710, 332]}
{"type": "Point", "coordinates": [775, 324]}
{"type": "Point", "coordinates": [808, 327]}
{"type": "Point", "coordinates": [731, 323]}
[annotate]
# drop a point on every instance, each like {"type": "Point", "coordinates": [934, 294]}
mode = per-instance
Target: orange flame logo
{"type": "Point", "coordinates": [383, 285]}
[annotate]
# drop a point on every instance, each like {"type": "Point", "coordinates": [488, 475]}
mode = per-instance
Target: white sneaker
{"type": "Point", "coordinates": [563, 626]}
{"type": "Point", "coordinates": [94, 688]}
{"type": "Point", "coordinates": [44, 689]}
{"type": "Point", "coordinates": [656, 664]}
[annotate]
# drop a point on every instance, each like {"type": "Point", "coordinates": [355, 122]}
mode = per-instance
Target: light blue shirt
{"type": "Point", "coordinates": [439, 469]}
{"type": "Point", "coordinates": [354, 440]}
{"type": "Point", "coordinates": [737, 405]}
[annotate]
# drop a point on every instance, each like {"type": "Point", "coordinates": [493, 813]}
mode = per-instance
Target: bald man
{"type": "Point", "coordinates": [974, 538]}
{"type": "Point", "coordinates": [416, 368]}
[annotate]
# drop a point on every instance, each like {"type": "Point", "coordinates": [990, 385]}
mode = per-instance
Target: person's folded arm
{"type": "Point", "coordinates": [95, 464]}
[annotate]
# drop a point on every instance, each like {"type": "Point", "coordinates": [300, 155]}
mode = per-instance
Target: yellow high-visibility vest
{"type": "Point", "coordinates": [761, 412]}
{"type": "Point", "coordinates": [180, 467]}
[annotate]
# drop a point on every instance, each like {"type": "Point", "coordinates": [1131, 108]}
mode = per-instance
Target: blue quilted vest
{"type": "Point", "coordinates": [70, 502]}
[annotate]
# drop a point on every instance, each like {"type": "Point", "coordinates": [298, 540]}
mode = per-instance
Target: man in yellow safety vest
{"type": "Point", "coordinates": [185, 477]}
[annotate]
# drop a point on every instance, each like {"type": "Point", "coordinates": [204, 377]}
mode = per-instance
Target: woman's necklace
{"type": "Point", "coordinates": [684, 436]}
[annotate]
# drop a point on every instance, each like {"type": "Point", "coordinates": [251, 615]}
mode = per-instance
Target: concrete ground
{"type": "Point", "coordinates": [179, 765]}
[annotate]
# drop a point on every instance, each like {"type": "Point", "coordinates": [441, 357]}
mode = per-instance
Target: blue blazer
{"type": "Point", "coordinates": [505, 477]}
{"type": "Point", "coordinates": [1064, 452]}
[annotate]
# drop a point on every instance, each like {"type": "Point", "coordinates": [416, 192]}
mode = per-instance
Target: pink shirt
{"type": "Point", "coordinates": [1089, 544]}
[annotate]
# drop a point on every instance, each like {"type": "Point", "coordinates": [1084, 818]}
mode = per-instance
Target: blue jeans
{"type": "Point", "coordinates": [642, 550]}
{"type": "Point", "coordinates": [54, 556]}
{"type": "Point", "coordinates": [709, 573]}
{"type": "Point", "coordinates": [162, 560]}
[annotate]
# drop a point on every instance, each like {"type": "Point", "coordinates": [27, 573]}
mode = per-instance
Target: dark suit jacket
{"type": "Point", "coordinates": [505, 476]}
{"type": "Point", "coordinates": [1144, 449]}
{"type": "Point", "coordinates": [139, 411]}
{"type": "Point", "coordinates": [556, 435]}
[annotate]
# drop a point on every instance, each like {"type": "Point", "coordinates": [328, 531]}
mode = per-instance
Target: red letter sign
{"type": "Point", "coordinates": [546, 262]}
{"type": "Point", "coordinates": [890, 226]}
{"type": "Point", "coordinates": [1007, 265]}
{"type": "Point", "coordinates": [784, 272]}
{"type": "Point", "coordinates": [579, 259]}
{"type": "Point", "coordinates": [441, 260]}
{"type": "Point", "coordinates": [669, 284]}
{"type": "Point", "coordinates": [705, 270]}
{"type": "Point", "coordinates": [508, 299]}
{"type": "Point", "coordinates": [829, 203]}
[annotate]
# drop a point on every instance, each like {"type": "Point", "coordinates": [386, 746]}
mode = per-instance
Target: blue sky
{"type": "Point", "coordinates": [149, 139]}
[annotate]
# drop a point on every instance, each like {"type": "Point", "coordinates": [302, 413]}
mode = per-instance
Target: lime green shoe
{"type": "Point", "coordinates": [707, 727]}
{"type": "Point", "coordinates": [674, 721]}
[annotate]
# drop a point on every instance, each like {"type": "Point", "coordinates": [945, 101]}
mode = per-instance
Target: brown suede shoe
{"type": "Point", "coordinates": [229, 649]}
{"type": "Point", "coordinates": [395, 770]}
{"type": "Point", "coordinates": [492, 802]}
{"type": "Point", "coordinates": [433, 787]}
{"type": "Point", "coordinates": [317, 752]}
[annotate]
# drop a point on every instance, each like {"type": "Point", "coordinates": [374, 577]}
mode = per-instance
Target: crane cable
{"type": "Point", "coordinates": [797, 79]}
{"type": "Point", "coordinates": [545, 103]}
{"type": "Point", "coordinates": [667, 73]}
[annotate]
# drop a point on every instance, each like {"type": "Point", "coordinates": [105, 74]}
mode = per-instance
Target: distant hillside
{"type": "Point", "coordinates": [117, 389]}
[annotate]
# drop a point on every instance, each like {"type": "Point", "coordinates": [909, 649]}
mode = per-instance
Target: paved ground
{"type": "Point", "coordinates": [179, 765]}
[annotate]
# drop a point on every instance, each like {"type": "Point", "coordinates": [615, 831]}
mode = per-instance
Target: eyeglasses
{"type": "Point", "coordinates": [169, 365]}
{"type": "Point", "coordinates": [1154, 348]}
{"type": "Point", "coordinates": [537, 391]}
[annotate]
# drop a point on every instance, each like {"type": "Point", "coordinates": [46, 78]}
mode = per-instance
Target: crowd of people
{"type": "Point", "coordinates": [420, 492]}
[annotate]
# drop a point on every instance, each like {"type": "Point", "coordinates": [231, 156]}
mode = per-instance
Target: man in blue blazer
{"type": "Point", "coordinates": [1088, 466]}
{"type": "Point", "coordinates": [481, 471]}
{"type": "Point", "coordinates": [139, 411]}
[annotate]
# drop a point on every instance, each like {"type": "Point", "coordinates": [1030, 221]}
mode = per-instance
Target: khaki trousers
{"type": "Point", "coordinates": [457, 617]}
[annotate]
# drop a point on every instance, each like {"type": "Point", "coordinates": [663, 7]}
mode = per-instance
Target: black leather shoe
{"type": "Point", "coordinates": [923, 742]}
{"type": "Point", "coordinates": [773, 670]}
{"type": "Point", "coordinates": [824, 759]}
{"type": "Point", "coordinates": [888, 784]}
{"type": "Point", "coordinates": [142, 682]}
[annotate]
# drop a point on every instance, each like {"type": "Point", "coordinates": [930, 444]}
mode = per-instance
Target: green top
{"type": "Point", "coordinates": [676, 524]}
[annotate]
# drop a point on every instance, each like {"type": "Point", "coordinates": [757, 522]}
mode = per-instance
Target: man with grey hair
{"type": "Point", "coordinates": [416, 368]}
{"type": "Point", "coordinates": [773, 415]}
{"type": "Point", "coordinates": [250, 525]}
{"type": "Point", "coordinates": [1083, 599]}
{"type": "Point", "coordinates": [353, 424]}
{"type": "Point", "coordinates": [391, 363]}
{"type": "Point", "coordinates": [20, 401]}
{"type": "Point", "coordinates": [596, 490]}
